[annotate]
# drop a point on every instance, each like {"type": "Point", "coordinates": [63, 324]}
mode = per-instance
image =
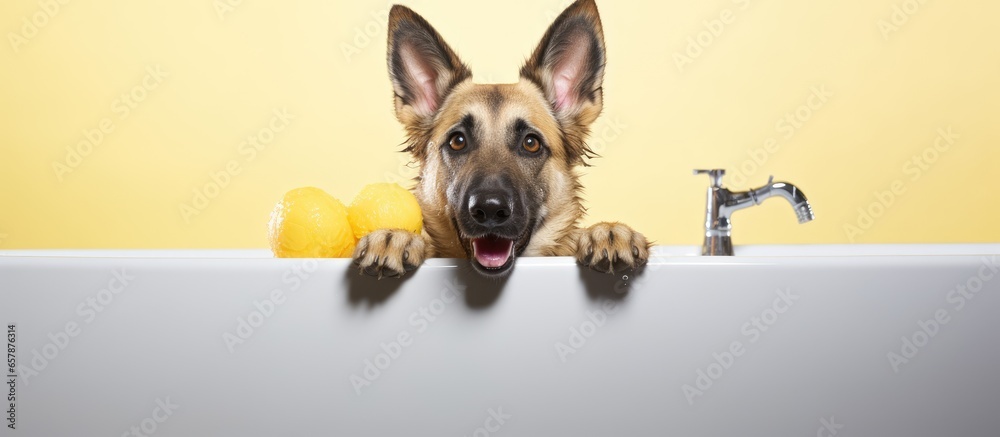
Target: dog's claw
{"type": "Point", "coordinates": [390, 253]}
{"type": "Point", "coordinates": [611, 247]}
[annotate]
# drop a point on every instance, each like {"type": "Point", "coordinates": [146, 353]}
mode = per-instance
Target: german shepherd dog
{"type": "Point", "coordinates": [498, 162]}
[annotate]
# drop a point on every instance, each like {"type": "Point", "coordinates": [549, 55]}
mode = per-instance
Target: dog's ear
{"type": "Point", "coordinates": [568, 64]}
{"type": "Point", "coordinates": [422, 67]}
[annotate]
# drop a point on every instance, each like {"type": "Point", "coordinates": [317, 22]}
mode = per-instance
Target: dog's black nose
{"type": "Point", "coordinates": [489, 208]}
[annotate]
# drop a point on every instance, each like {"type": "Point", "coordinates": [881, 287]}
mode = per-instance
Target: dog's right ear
{"type": "Point", "coordinates": [422, 67]}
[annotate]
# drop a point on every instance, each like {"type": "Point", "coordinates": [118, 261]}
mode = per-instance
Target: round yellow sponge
{"type": "Point", "coordinates": [309, 223]}
{"type": "Point", "coordinates": [384, 206]}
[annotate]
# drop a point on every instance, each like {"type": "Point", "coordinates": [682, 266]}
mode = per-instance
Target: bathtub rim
{"type": "Point", "coordinates": [659, 255]}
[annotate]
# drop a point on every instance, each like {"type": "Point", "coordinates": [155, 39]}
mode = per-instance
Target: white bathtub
{"type": "Point", "coordinates": [780, 340]}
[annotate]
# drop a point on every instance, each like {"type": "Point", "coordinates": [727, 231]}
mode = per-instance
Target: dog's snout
{"type": "Point", "coordinates": [493, 205]}
{"type": "Point", "coordinates": [490, 208]}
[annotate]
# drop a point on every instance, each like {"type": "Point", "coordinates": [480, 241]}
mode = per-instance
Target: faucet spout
{"type": "Point", "coordinates": [789, 192]}
{"type": "Point", "coordinates": [722, 203]}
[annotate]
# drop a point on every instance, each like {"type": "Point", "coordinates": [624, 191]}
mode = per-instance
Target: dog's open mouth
{"type": "Point", "coordinates": [494, 254]}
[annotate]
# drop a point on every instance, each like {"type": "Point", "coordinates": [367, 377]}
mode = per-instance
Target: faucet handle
{"type": "Point", "coordinates": [715, 174]}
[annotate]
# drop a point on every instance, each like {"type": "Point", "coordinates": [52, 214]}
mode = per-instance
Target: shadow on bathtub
{"type": "Point", "coordinates": [482, 293]}
{"type": "Point", "coordinates": [605, 286]}
{"type": "Point", "coordinates": [363, 289]}
{"type": "Point", "coordinates": [479, 293]}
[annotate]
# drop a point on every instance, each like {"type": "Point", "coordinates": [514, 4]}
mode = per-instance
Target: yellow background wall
{"type": "Point", "coordinates": [225, 66]}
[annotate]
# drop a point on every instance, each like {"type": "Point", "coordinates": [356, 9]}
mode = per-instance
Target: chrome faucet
{"type": "Point", "coordinates": [722, 203]}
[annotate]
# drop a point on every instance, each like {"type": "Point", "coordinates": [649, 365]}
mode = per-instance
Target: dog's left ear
{"type": "Point", "coordinates": [569, 64]}
{"type": "Point", "coordinates": [422, 67]}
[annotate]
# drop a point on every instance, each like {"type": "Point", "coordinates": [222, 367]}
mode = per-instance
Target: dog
{"type": "Point", "coordinates": [498, 162]}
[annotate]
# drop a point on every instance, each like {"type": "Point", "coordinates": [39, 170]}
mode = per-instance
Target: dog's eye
{"type": "Point", "coordinates": [531, 143]}
{"type": "Point", "coordinates": [457, 142]}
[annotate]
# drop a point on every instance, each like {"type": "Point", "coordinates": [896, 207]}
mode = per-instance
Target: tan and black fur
{"type": "Point", "coordinates": [520, 146]}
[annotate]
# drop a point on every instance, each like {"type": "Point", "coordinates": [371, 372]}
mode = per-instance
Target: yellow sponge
{"type": "Point", "coordinates": [384, 206]}
{"type": "Point", "coordinates": [309, 223]}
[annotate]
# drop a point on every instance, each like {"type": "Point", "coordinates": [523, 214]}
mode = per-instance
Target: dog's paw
{"type": "Point", "coordinates": [390, 253]}
{"type": "Point", "coordinates": [610, 247]}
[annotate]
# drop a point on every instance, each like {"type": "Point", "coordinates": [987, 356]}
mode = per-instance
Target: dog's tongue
{"type": "Point", "coordinates": [492, 252]}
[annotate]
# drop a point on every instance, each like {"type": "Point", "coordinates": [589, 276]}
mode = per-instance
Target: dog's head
{"type": "Point", "coordinates": [497, 160]}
